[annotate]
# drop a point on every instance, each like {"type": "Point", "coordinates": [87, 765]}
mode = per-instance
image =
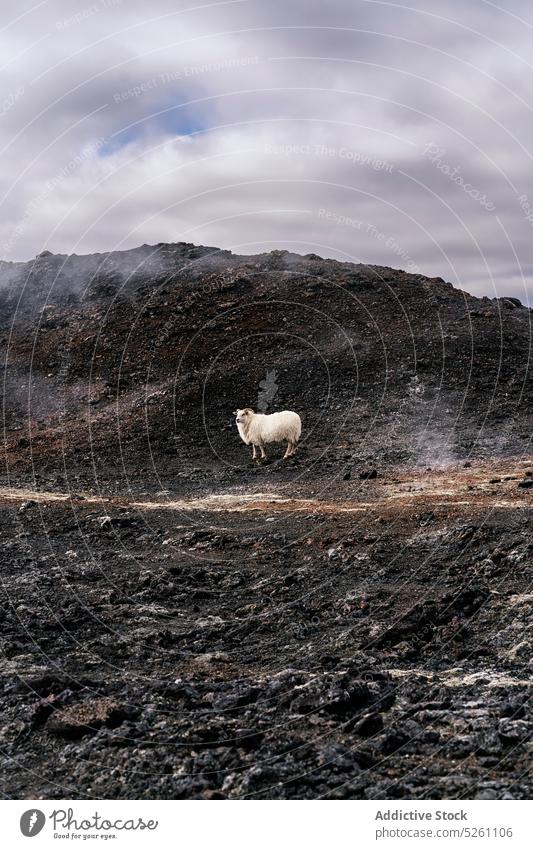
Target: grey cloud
{"type": "Point", "coordinates": [286, 109]}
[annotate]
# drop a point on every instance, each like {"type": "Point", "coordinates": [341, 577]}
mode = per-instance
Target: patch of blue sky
{"type": "Point", "coordinates": [178, 120]}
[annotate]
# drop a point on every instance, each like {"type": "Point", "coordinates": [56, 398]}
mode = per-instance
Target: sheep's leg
{"type": "Point", "coordinates": [253, 453]}
{"type": "Point", "coordinates": [290, 449]}
{"type": "Point", "coordinates": [263, 454]}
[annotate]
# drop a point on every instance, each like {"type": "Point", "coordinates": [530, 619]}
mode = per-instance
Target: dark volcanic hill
{"type": "Point", "coordinates": [136, 359]}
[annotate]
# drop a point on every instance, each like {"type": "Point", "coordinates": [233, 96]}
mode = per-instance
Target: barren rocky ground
{"type": "Point", "coordinates": [180, 622]}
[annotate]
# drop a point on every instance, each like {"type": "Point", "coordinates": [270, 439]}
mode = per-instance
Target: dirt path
{"type": "Point", "coordinates": [494, 486]}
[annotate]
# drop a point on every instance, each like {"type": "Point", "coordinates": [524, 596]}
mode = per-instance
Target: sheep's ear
{"type": "Point", "coordinates": [234, 412]}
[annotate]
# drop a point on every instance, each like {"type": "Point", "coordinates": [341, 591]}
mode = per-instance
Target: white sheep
{"type": "Point", "coordinates": [258, 429]}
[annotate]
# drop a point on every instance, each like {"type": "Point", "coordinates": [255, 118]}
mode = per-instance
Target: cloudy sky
{"type": "Point", "coordinates": [365, 130]}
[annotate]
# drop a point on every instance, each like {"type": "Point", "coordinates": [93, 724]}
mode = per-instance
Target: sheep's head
{"type": "Point", "coordinates": [243, 416]}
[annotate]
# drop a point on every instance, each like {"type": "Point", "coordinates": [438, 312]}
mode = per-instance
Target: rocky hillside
{"type": "Point", "coordinates": [134, 360]}
{"type": "Point", "coordinates": [180, 622]}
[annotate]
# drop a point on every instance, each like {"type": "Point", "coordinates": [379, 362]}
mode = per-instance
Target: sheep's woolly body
{"type": "Point", "coordinates": [274, 427]}
{"type": "Point", "coordinates": [261, 428]}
